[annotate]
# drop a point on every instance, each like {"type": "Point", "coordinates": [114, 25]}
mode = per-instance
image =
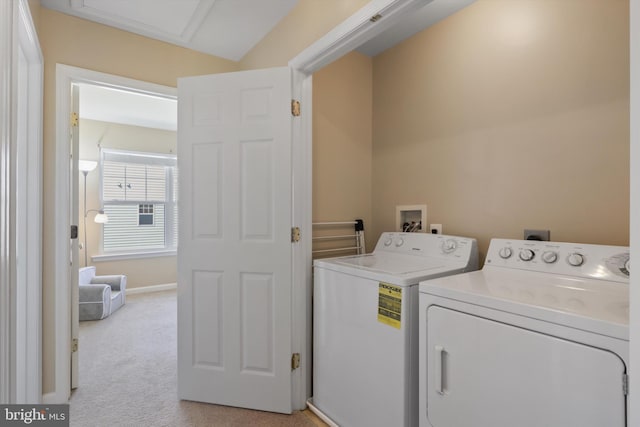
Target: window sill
{"type": "Point", "coordinates": [132, 255]}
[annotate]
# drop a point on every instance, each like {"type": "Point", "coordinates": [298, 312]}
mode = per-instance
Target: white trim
{"type": "Point", "coordinates": [634, 231]}
{"type": "Point", "coordinates": [20, 308]}
{"type": "Point", "coordinates": [65, 77]}
{"type": "Point", "coordinates": [302, 294]}
{"type": "Point", "coordinates": [353, 32]}
{"type": "Point", "coordinates": [313, 408]}
{"type": "Point", "coordinates": [30, 308]}
{"type": "Point", "coordinates": [133, 255]}
{"type": "Point", "coordinates": [7, 126]}
{"type": "Point", "coordinates": [152, 288]}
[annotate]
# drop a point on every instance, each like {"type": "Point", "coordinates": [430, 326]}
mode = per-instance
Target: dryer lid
{"type": "Point", "coordinates": [588, 304]}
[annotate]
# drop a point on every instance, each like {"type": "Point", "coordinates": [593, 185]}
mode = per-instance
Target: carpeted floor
{"type": "Point", "coordinates": [128, 374]}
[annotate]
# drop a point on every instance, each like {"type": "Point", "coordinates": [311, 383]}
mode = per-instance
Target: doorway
{"type": "Point", "coordinates": [66, 78]}
{"type": "Point", "coordinates": [127, 190]}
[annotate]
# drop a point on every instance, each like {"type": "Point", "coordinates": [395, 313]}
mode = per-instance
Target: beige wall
{"type": "Point", "coordinates": [72, 41]}
{"type": "Point", "coordinates": [307, 22]}
{"type": "Point", "coordinates": [34, 8]}
{"type": "Point", "coordinates": [143, 271]}
{"type": "Point", "coordinates": [342, 124]}
{"type": "Point", "coordinates": [509, 115]}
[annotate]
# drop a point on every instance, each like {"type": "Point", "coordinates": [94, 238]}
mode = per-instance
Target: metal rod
{"type": "Point", "coordinates": [84, 220]}
{"type": "Point", "coordinates": [349, 236]}
{"type": "Point", "coordinates": [335, 223]}
{"type": "Point", "coordinates": [335, 250]}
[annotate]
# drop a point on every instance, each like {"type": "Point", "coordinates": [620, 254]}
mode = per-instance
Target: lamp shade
{"type": "Point", "coordinates": [87, 165]}
{"type": "Point", "coordinates": [101, 218]}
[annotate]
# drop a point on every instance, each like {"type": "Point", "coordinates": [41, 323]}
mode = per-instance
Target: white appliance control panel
{"type": "Point", "coordinates": [570, 259]}
{"type": "Point", "coordinates": [427, 245]}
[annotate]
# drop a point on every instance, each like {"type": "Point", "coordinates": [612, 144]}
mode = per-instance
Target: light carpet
{"type": "Point", "coordinates": [128, 374]}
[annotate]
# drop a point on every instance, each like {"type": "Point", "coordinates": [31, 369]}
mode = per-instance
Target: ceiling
{"type": "Point", "coordinates": [431, 13]}
{"type": "Point", "coordinates": [224, 28]}
{"type": "Point", "coordinates": [128, 108]}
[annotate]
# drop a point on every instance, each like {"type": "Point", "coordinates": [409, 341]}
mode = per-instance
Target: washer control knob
{"type": "Point", "coordinates": [550, 257]}
{"type": "Point", "coordinates": [449, 246]}
{"type": "Point", "coordinates": [388, 241]}
{"type": "Point", "coordinates": [399, 242]}
{"type": "Point", "coordinates": [575, 259]}
{"type": "Point", "coordinates": [627, 266]}
{"type": "Point", "coordinates": [505, 252]}
{"type": "Point", "coordinates": [526, 254]}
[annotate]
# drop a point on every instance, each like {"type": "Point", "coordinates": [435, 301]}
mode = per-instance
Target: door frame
{"type": "Point", "coordinates": [20, 309]}
{"type": "Point", "coordinates": [344, 38]}
{"type": "Point", "coordinates": [634, 231]}
{"type": "Point", "coordinates": [66, 76]}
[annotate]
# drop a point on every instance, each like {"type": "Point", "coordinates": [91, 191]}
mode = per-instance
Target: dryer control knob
{"type": "Point", "coordinates": [505, 252]}
{"type": "Point", "coordinates": [627, 266]}
{"type": "Point", "coordinates": [575, 259]}
{"type": "Point", "coordinates": [550, 257]}
{"type": "Point", "coordinates": [388, 241]}
{"type": "Point", "coordinates": [399, 242]}
{"type": "Point", "coordinates": [526, 254]}
{"type": "Point", "coordinates": [449, 246]}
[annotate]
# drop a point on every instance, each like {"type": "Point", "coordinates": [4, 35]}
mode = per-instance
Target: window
{"type": "Point", "coordinates": [139, 194]}
{"type": "Point", "coordinates": [145, 214]}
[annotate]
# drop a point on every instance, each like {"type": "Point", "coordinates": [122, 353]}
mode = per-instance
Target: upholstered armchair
{"type": "Point", "coordinates": [100, 295]}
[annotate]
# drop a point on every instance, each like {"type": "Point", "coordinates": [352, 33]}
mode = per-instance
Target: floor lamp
{"type": "Point", "coordinates": [85, 167]}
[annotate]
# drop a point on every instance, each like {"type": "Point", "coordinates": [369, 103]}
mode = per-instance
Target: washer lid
{"type": "Point", "coordinates": [390, 263]}
{"type": "Point", "coordinates": [592, 305]}
{"type": "Point", "coordinates": [389, 267]}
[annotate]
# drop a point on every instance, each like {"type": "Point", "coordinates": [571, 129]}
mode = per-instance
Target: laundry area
{"type": "Point", "coordinates": [429, 225]}
{"type": "Point", "coordinates": [504, 122]}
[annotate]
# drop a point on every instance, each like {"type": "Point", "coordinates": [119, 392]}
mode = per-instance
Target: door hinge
{"type": "Point", "coordinates": [295, 108]}
{"type": "Point", "coordinates": [74, 119]}
{"type": "Point", "coordinates": [625, 384]}
{"type": "Point", "coordinates": [295, 361]}
{"type": "Point", "coordinates": [74, 345]}
{"type": "Point", "coordinates": [295, 234]}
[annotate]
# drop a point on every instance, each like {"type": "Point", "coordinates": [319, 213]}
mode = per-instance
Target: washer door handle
{"type": "Point", "coordinates": [439, 363]}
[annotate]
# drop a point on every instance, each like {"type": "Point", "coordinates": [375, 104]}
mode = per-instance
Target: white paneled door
{"type": "Point", "coordinates": [234, 248]}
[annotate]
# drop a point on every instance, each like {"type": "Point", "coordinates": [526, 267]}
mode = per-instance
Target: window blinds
{"type": "Point", "coordinates": [139, 194]}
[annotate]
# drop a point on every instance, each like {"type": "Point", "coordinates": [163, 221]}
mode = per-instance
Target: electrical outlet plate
{"type": "Point", "coordinates": [435, 228]}
{"type": "Point", "coordinates": [543, 235]}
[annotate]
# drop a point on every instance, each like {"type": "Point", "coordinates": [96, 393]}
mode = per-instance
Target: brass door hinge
{"type": "Point", "coordinates": [295, 108]}
{"type": "Point", "coordinates": [295, 361]}
{"type": "Point", "coordinates": [74, 120]}
{"type": "Point", "coordinates": [295, 234]}
{"type": "Point", "coordinates": [74, 345]}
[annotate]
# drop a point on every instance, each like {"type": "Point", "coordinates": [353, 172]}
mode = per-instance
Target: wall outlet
{"type": "Point", "coordinates": [544, 235]}
{"type": "Point", "coordinates": [435, 229]}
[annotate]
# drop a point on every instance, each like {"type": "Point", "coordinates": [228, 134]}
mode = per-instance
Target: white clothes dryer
{"type": "Point", "coordinates": [365, 367]}
{"type": "Point", "coordinates": [538, 337]}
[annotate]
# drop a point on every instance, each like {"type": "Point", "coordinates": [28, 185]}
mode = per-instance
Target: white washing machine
{"type": "Point", "coordinates": [365, 352]}
{"type": "Point", "coordinates": [538, 337]}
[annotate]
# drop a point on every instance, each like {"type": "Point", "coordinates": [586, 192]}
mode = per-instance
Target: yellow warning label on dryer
{"type": "Point", "coordinates": [389, 304]}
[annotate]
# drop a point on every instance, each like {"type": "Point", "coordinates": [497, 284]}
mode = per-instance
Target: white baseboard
{"type": "Point", "coordinates": [152, 288]}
